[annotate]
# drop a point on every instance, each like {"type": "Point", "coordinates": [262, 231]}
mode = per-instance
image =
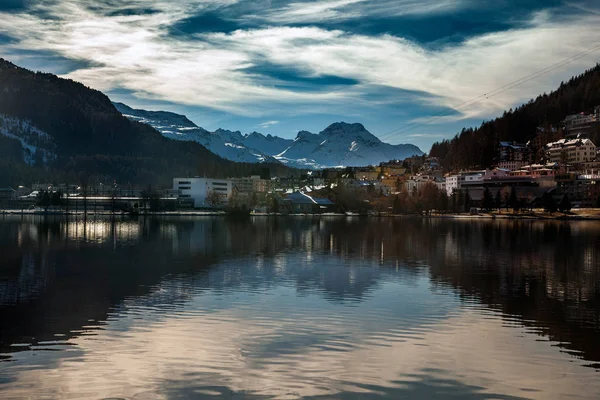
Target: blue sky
{"type": "Point", "coordinates": [283, 66]}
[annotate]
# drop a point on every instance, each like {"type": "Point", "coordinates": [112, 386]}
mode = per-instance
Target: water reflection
{"type": "Point", "coordinates": [287, 308]}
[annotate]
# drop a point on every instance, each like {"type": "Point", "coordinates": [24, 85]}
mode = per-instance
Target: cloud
{"type": "Point", "coordinates": [268, 124]}
{"type": "Point", "coordinates": [339, 10]}
{"type": "Point", "coordinates": [138, 53]}
{"type": "Point", "coordinates": [227, 350]}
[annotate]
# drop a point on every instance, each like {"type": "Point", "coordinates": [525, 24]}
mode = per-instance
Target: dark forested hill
{"type": "Point", "coordinates": [477, 147]}
{"type": "Point", "coordinates": [89, 137]}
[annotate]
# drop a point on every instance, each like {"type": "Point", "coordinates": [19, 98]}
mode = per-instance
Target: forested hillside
{"type": "Point", "coordinates": [93, 139]}
{"type": "Point", "coordinates": [476, 148]}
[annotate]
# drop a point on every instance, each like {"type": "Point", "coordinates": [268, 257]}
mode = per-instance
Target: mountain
{"type": "Point", "coordinates": [56, 130]}
{"type": "Point", "coordinates": [476, 147]}
{"type": "Point", "coordinates": [227, 144]}
{"type": "Point", "coordinates": [341, 144]}
{"type": "Point", "coordinates": [344, 144]}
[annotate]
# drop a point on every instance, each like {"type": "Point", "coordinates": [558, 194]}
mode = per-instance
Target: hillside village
{"type": "Point", "coordinates": [559, 169]}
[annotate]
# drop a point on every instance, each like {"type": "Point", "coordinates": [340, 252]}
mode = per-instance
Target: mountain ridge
{"type": "Point", "coordinates": [339, 144]}
{"type": "Point", "coordinates": [78, 134]}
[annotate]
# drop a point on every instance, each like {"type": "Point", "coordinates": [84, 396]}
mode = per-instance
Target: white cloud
{"type": "Point", "coordinates": [268, 124]}
{"type": "Point", "coordinates": [336, 10]}
{"type": "Point", "coordinates": [137, 53]}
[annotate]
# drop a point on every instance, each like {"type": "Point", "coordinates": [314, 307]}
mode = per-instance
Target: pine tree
{"type": "Point", "coordinates": [549, 203]}
{"type": "Point", "coordinates": [467, 201]}
{"type": "Point", "coordinates": [514, 201]}
{"type": "Point", "coordinates": [488, 200]}
{"type": "Point", "coordinates": [498, 200]}
{"type": "Point", "coordinates": [565, 204]}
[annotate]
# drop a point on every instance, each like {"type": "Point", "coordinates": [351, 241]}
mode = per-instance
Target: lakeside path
{"type": "Point", "coordinates": [537, 214]}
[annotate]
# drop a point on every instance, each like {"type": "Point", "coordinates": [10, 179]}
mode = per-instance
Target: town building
{"type": "Point", "coordinates": [417, 182]}
{"type": "Point", "coordinates": [580, 125]}
{"type": "Point", "coordinates": [299, 202]}
{"type": "Point", "coordinates": [203, 191]}
{"type": "Point", "coordinates": [367, 174]}
{"type": "Point", "coordinates": [513, 155]}
{"type": "Point", "coordinates": [582, 190]}
{"type": "Point", "coordinates": [452, 183]}
{"type": "Point", "coordinates": [392, 169]}
{"type": "Point", "coordinates": [571, 151]}
{"type": "Point", "coordinates": [252, 184]}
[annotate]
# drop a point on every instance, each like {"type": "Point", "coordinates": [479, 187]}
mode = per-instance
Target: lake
{"type": "Point", "coordinates": [286, 308]}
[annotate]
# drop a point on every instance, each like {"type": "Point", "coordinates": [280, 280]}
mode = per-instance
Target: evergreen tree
{"type": "Point", "coordinates": [549, 203]}
{"type": "Point", "coordinates": [488, 200]}
{"type": "Point", "coordinates": [443, 202]}
{"type": "Point", "coordinates": [467, 202]}
{"type": "Point", "coordinates": [565, 204]}
{"type": "Point", "coordinates": [460, 200]}
{"type": "Point", "coordinates": [44, 200]}
{"type": "Point", "coordinates": [514, 201]}
{"type": "Point", "coordinates": [56, 199]}
{"type": "Point", "coordinates": [498, 200]}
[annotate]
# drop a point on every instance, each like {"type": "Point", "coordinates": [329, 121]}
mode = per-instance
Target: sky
{"type": "Point", "coordinates": [412, 71]}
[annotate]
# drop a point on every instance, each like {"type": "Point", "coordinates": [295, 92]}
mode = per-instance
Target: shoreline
{"type": "Point", "coordinates": [573, 216]}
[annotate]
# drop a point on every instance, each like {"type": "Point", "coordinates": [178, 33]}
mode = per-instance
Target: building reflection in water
{"type": "Point", "coordinates": [395, 306]}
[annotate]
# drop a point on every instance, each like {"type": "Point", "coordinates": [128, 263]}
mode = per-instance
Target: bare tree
{"type": "Point", "coordinates": [213, 199]}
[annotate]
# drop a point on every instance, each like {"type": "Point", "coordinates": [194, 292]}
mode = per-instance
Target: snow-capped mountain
{"type": "Point", "coordinates": [224, 143]}
{"type": "Point", "coordinates": [344, 144]}
{"type": "Point", "coordinates": [341, 144]}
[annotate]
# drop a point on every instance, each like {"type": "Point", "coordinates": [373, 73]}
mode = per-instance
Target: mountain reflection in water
{"type": "Point", "coordinates": [290, 308]}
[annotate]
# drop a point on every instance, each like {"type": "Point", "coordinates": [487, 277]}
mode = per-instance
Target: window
{"type": "Point", "coordinates": [219, 183]}
{"type": "Point", "coordinates": [185, 182]}
{"type": "Point", "coordinates": [185, 187]}
{"type": "Point", "coordinates": [184, 196]}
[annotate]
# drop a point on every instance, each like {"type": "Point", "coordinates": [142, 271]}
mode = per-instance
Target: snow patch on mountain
{"type": "Point", "coordinates": [38, 146]}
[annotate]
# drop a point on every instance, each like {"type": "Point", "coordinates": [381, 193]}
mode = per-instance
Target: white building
{"type": "Point", "coordinates": [456, 181]}
{"type": "Point", "coordinates": [198, 189]}
{"type": "Point", "coordinates": [573, 151]}
{"type": "Point", "coordinates": [452, 183]}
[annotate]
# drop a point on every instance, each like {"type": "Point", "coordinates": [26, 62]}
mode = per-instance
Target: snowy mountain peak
{"type": "Point", "coordinates": [347, 130]}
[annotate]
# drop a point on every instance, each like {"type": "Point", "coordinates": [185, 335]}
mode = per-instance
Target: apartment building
{"type": "Point", "coordinates": [571, 151]}
{"type": "Point", "coordinates": [200, 190]}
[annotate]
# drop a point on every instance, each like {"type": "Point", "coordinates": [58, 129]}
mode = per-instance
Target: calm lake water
{"type": "Point", "coordinates": [338, 308]}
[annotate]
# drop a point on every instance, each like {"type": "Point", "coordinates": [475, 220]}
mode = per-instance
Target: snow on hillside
{"type": "Point", "coordinates": [37, 145]}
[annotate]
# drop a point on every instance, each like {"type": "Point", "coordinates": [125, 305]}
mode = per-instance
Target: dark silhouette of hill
{"type": "Point", "coordinates": [94, 140]}
{"type": "Point", "coordinates": [476, 147]}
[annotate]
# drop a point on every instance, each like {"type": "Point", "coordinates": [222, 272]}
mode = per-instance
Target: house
{"type": "Point", "coordinates": [299, 202]}
{"type": "Point", "coordinates": [204, 192]}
